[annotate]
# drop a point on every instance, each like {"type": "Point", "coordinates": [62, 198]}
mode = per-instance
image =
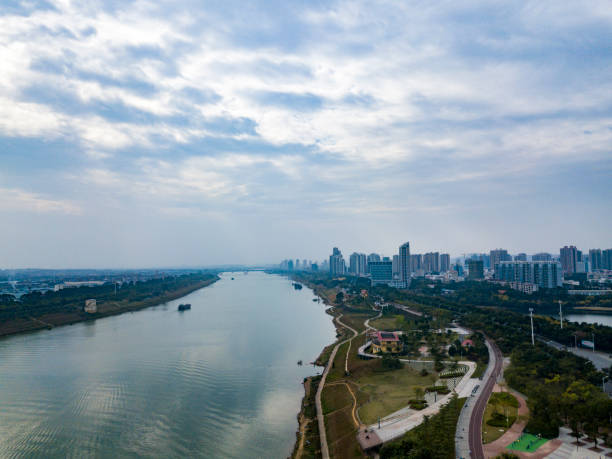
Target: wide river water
{"type": "Point", "coordinates": [220, 380]}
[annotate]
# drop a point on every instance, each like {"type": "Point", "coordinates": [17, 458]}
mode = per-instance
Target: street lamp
{"type": "Point", "coordinates": [531, 316]}
{"type": "Point", "coordinates": [603, 382]}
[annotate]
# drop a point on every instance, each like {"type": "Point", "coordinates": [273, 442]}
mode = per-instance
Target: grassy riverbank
{"type": "Point", "coordinates": [54, 309]}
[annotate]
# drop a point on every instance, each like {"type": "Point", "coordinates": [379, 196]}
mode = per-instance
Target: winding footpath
{"type": "Point", "coordinates": [320, 416]}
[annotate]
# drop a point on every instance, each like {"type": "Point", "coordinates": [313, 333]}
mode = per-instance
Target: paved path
{"type": "Point", "coordinates": [601, 360]}
{"type": "Point", "coordinates": [475, 427]}
{"type": "Point", "coordinates": [320, 416]}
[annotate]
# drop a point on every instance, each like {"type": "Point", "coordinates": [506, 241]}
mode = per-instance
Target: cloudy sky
{"type": "Point", "coordinates": [164, 133]}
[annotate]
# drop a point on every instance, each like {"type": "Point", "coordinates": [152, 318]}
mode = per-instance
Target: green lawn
{"type": "Point", "coordinates": [389, 391]}
{"type": "Point", "coordinates": [388, 323]}
{"type": "Point", "coordinates": [492, 433]}
{"type": "Point", "coordinates": [527, 443]}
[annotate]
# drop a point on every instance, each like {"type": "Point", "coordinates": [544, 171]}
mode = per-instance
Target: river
{"type": "Point", "coordinates": [590, 318]}
{"type": "Point", "coordinates": [220, 380]}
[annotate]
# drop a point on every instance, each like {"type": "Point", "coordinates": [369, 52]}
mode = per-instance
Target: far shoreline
{"type": "Point", "coordinates": [51, 321]}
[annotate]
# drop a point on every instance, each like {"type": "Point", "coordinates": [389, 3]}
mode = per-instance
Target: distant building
{"type": "Point", "coordinates": [542, 256]}
{"type": "Point", "coordinates": [395, 261]}
{"type": "Point", "coordinates": [431, 262]}
{"type": "Point", "coordinates": [416, 262]}
{"type": "Point", "coordinates": [520, 257]}
{"type": "Point", "coordinates": [91, 306]}
{"type": "Point", "coordinates": [606, 259]}
{"type": "Point", "coordinates": [544, 274]}
{"type": "Point", "coordinates": [404, 262]}
{"type": "Point", "coordinates": [498, 255]}
{"type": "Point", "coordinates": [381, 272]}
{"type": "Point", "coordinates": [357, 264]}
{"type": "Point", "coordinates": [444, 262]}
{"type": "Point", "coordinates": [290, 265]}
{"type": "Point", "coordinates": [595, 259]}
{"type": "Point", "coordinates": [475, 269]}
{"type": "Point", "coordinates": [569, 258]}
{"type": "Point", "coordinates": [336, 263]}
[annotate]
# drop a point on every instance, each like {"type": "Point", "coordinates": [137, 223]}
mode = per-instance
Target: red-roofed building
{"type": "Point", "coordinates": [467, 342]}
{"type": "Point", "coordinates": [383, 342]}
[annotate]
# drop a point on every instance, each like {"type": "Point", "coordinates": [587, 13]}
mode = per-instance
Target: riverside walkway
{"type": "Point", "coordinates": [320, 415]}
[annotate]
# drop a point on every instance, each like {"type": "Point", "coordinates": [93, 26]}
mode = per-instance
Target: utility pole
{"type": "Point", "coordinates": [561, 314]}
{"type": "Point", "coordinates": [531, 316]}
{"type": "Point", "coordinates": [603, 383]}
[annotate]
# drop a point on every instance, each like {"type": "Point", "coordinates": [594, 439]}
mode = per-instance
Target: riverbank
{"type": "Point", "coordinates": [105, 309]}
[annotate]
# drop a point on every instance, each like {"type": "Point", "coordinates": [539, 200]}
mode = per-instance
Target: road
{"type": "Point", "coordinates": [601, 360]}
{"type": "Point", "coordinates": [475, 427]}
{"type": "Point", "coordinates": [320, 416]}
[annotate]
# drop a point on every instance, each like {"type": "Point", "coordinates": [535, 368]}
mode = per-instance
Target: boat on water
{"type": "Point", "coordinates": [184, 307]}
{"type": "Point", "coordinates": [297, 286]}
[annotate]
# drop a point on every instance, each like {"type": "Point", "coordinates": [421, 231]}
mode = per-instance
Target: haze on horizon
{"type": "Point", "coordinates": [142, 133]}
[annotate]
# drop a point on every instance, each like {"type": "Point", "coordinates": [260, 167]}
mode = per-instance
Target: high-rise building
{"type": "Point", "coordinates": [569, 258]}
{"type": "Point", "coordinates": [381, 272]}
{"type": "Point", "coordinates": [404, 262]}
{"type": "Point", "coordinates": [497, 256]}
{"type": "Point", "coordinates": [444, 262]}
{"type": "Point", "coordinates": [431, 262]}
{"type": "Point", "coordinates": [416, 262]}
{"type": "Point", "coordinates": [395, 265]}
{"type": "Point", "coordinates": [544, 274]}
{"type": "Point", "coordinates": [595, 258]}
{"type": "Point", "coordinates": [520, 257]}
{"type": "Point", "coordinates": [336, 263]}
{"type": "Point", "coordinates": [373, 257]}
{"type": "Point", "coordinates": [475, 269]}
{"type": "Point", "coordinates": [542, 256]}
{"type": "Point", "coordinates": [357, 264]}
{"type": "Point", "coordinates": [290, 265]}
{"type": "Point", "coordinates": [606, 259]}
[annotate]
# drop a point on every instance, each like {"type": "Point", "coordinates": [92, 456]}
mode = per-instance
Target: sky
{"type": "Point", "coordinates": [163, 133]}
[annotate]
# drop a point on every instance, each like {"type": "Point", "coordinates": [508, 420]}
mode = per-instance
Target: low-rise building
{"type": "Point", "coordinates": [386, 342]}
{"type": "Point", "coordinates": [91, 306]}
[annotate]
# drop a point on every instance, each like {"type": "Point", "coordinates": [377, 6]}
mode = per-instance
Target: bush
{"type": "Point", "coordinates": [424, 372]}
{"type": "Point", "coordinates": [438, 389]}
{"type": "Point", "coordinates": [390, 362]}
{"type": "Point", "coordinates": [417, 404]}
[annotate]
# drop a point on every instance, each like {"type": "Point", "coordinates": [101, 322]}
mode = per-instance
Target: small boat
{"type": "Point", "coordinates": [315, 299]}
{"type": "Point", "coordinates": [297, 286]}
{"type": "Point", "coordinates": [299, 362]}
{"type": "Point", "coordinates": [232, 278]}
{"type": "Point", "coordinates": [184, 307]}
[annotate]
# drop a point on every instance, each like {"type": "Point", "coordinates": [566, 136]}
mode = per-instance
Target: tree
{"type": "Point", "coordinates": [339, 298]}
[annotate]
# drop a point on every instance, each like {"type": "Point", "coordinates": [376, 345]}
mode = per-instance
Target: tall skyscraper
{"type": "Point", "coordinates": [395, 264]}
{"type": "Point", "coordinates": [336, 263]}
{"type": "Point", "coordinates": [498, 255]}
{"type": "Point", "coordinates": [475, 269]}
{"type": "Point", "coordinates": [569, 258]}
{"type": "Point", "coordinates": [444, 262]}
{"type": "Point", "coordinates": [404, 262]}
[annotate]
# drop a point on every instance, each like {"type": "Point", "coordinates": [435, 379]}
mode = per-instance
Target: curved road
{"type": "Point", "coordinates": [320, 416]}
{"type": "Point", "coordinates": [475, 432]}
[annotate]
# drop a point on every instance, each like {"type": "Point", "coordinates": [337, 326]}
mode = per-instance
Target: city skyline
{"type": "Point", "coordinates": [145, 134]}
